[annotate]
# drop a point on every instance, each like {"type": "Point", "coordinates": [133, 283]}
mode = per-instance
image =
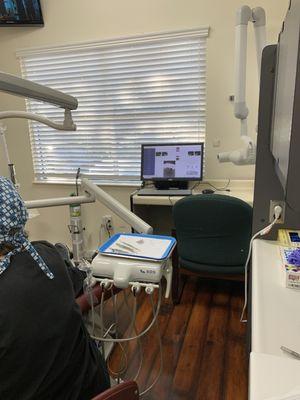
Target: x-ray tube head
{"type": "Point", "coordinates": [244, 156]}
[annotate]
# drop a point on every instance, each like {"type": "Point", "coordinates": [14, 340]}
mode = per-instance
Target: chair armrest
{"type": "Point", "coordinates": [124, 391]}
{"type": "Point", "coordinates": [83, 300]}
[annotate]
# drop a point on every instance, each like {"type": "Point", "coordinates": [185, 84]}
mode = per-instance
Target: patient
{"type": "Point", "coordinates": [45, 350]}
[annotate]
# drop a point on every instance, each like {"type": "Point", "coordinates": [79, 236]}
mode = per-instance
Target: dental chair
{"type": "Point", "coordinates": [123, 391]}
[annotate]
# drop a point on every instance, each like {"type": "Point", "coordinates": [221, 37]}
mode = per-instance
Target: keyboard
{"type": "Point", "coordinates": [168, 192]}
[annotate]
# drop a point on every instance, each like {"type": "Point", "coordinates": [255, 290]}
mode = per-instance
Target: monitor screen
{"type": "Point", "coordinates": [172, 162]}
{"type": "Point", "coordinates": [20, 12]}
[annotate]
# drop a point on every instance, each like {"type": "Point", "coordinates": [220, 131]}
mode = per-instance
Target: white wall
{"type": "Point", "coordinates": [69, 21]}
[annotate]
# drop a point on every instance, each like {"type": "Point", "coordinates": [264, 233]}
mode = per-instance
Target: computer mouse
{"type": "Point", "coordinates": [208, 191]}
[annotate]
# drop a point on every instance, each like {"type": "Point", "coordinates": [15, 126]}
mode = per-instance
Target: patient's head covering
{"type": "Point", "coordinates": [13, 217]}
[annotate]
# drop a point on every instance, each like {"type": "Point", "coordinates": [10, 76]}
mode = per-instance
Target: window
{"type": "Point", "coordinates": [149, 89]}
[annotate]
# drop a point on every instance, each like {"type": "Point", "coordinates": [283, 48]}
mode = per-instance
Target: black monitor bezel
{"type": "Point", "coordinates": [172, 179]}
{"type": "Point", "coordinates": [24, 23]}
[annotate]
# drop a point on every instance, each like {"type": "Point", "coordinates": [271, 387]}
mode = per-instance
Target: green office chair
{"type": "Point", "coordinates": [213, 234]}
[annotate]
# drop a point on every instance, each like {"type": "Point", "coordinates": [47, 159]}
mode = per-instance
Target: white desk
{"type": "Point", "coordinates": [157, 210]}
{"type": "Point", "coordinates": [275, 322]}
{"type": "Point", "coordinates": [272, 376]}
{"type": "Point", "coordinates": [242, 189]}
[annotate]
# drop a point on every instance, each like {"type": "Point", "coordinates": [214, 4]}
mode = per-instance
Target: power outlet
{"type": "Point", "coordinates": [273, 204]}
{"type": "Point", "coordinates": [107, 222]}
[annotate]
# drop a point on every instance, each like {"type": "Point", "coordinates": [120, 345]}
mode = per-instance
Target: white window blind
{"type": "Point", "coordinates": [149, 89]}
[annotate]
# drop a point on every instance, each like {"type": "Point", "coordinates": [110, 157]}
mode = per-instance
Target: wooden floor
{"type": "Point", "coordinates": [204, 344]}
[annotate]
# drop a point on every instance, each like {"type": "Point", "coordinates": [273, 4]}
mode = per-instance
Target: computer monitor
{"type": "Point", "coordinates": [172, 165]}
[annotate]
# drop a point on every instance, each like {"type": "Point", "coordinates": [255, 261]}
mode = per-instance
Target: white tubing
{"type": "Point", "coordinates": [62, 201]}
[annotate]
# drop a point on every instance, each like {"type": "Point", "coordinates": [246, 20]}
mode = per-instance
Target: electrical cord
{"type": "Point", "coordinates": [107, 229]}
{"type": "Point", "coordinates": [196, 184]}
{"type": "Point", "coordinates": [222, 189]}
{"type": "Point", "coordinates": [102, 236]}
{"type": "Point", "coordinates": [170, 201]}
{"type": "Point", "coordinates": [76, 181]}
{"type": "Point", "coordinates": [262, 232]}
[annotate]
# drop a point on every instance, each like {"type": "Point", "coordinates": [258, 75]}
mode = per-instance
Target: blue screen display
{"type": "Point", "coordinates": [20, 12]}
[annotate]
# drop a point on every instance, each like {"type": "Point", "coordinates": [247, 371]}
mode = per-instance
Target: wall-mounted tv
{"type": "Point", "coordinates": [20, 13]}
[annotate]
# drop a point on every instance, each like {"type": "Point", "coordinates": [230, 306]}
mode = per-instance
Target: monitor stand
{"type": "Point", "coordinates": [165, 185]}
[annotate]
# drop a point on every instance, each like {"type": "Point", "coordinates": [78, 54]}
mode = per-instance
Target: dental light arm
{"type": "Point", "coordinates": [92, 193]}
{"type": "Point", "coordinates": [59, 201]}
{"type": "Point", "coordinates": [247, 154]}
{"type": "Point", "coordinates": [67, 125]}
{"type": "Point", "coordinates": [115, 206]}
{"type": "Point", "coordinates": [21, 87]}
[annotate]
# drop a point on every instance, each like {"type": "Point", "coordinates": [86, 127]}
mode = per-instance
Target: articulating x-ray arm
{"type": "Point", "coordinates": [247, 154]}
